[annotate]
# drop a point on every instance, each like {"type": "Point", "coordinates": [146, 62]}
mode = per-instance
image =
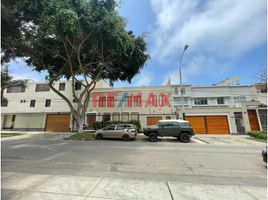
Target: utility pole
{"type": "Point", "coordinates": [182, 100]}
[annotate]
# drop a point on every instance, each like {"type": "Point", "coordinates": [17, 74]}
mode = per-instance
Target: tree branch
{"type": "Point", "coordinates": [71, 70]}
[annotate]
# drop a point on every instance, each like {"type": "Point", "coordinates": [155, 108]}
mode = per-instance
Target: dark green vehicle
{"type": "Point", "coordinates": [180, 129]}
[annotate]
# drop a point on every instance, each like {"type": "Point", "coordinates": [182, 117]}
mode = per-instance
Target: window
{"type": "Point", "coordinates": [137, 101]}
{"type": "Point", "coordinates": [169, 124]}
{"type": "Point", "coordinates": [102, 102]}
{"type": "Point", "coordinates": [168, 117]}
{"type": "Point", "coordinates": [4, 102]}
{"type": "Point", "coordinates": [184, 124]}
{"type": "Point", "coordinates": [120, 127]}
{"type": "Point", "coordinates": [220, 100]}
{"type": "Point", "coordinates": [125, 117]}
{"type": "Point", "coordinates": [263, 119]}
{"type": "Point", "coordinates": [177, 100]}
{"type": "Point", "coordinates": [110, 127]}
{"type": "Point", "coordinates": [176, 90]}
{"type": "Point", "coordinates": [61, 86]}
{"type": "Point", "coordinates": [16, 89]}
{"type": "Point", "coordinates": [106, 117]}
{"type": "Point", "coordinates": [48, 102]}
{"type": "Point", "coordinates": [200, 101]}
{"type": "Point", "coordinates": [110, 102]}
{"type": "Point", "coordinates": [239, 99]}
{"type": "Point", "coordinates": [32, 103]}
{"type": "Point", "coordinates": [135, 116]}
{"type": "Point", "coordinates": [22, 101]}
{"type": "Point", "coordinates": [116, 116]}
{"type": "Point", "coordinates": [42, 88]}
{"type": "Point", "coordinates": [77, 86]}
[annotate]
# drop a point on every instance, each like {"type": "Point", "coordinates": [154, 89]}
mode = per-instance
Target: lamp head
{"type": "Point", "coordinates": [186, 47]}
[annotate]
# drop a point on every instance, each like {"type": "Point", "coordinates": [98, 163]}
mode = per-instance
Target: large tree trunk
{"type": "Point", "coordinates": [79, 122]}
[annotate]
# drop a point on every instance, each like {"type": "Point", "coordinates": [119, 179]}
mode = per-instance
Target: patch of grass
{"type": "Point", "coordinates": [81, 136]}
{"type": "Point", "coordinates": [4, 135]}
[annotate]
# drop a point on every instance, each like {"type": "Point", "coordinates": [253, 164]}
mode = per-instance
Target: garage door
{"type": "Point", "coordinates": [209, 124]}
{"type": "Point", "coordinates": [153, 120]}
{"type": "Point", "coordinates": [198, 124]}
{"type": "Point", "coordinates": [217, 125]}
{"type": "Point", "coordinates": [58, 123]}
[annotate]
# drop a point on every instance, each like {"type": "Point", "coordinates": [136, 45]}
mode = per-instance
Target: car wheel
{"type": "Point", "coordinates": [126, 138]}
{"type": "Point", "coordinates": [184, 137]}
{"type": "Point", "coordinates": [99, 136]}
{"type": "Point", "coordinates": [153, 137]}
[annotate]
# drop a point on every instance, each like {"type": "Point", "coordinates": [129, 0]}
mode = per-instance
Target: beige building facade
{"type": "Point", "coordinates": [217, 109]}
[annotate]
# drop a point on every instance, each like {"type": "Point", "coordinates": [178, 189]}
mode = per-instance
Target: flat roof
{"type": "Point", "coordinates": [172, 120]}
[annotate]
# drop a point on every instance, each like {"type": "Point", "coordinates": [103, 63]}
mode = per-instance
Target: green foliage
{"type": "Point", "coordinates": [5, 77]}
{"type": "Point", "coordinates": [81, 136]}
{"type": "Point", "coordinates": [258, 134]}
{"type": "Point", "coordinates": [77, 38]}
{"type": "Point", "coordinates": [99, 125]}
{"type": "Point", "coordinates": [3, 135]}
{"type": "Point", "coordinates": [88, 36]}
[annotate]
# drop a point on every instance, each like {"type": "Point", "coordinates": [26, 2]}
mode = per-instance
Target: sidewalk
{"type": "Point", "coordinates": [37, 135]}
{"type": "Point", "coordinates": [226, 139]}
{"type": "Point", "coordinates": [19, 186]}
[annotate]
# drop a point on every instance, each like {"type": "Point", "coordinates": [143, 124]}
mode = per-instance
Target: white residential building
{"type": "Point", "coordinates": [219, 109]}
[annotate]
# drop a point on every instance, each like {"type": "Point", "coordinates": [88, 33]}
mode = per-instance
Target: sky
{"type": "Point", "coordinates": [226, 38]}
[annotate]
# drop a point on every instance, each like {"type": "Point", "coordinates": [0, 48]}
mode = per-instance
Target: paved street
{"type": "Point", "coordinates": [47, 167]}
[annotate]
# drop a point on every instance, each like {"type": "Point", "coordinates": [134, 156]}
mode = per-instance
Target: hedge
{"type": "Point", "coordinates": [99, 125]}
{"type": "Point", "coordinates": [258, 134]}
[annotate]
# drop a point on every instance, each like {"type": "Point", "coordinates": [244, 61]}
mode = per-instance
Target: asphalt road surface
{"type": "Point", "coordinates": [52, 168]}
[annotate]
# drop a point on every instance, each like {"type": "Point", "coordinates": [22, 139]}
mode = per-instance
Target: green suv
{"type": "Point", "coordinates": [180, 129]}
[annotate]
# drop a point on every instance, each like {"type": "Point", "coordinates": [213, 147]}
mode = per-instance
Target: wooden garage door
{"type": "Point", "coordinates": [253, 120]}
{"type": "Point", "coordinates": [58, 123]}
{"type": "Point", "coordinates": [198, 124]}
{"type": "Point", "coordinates": [209, 124]}
{"type": "Point", "coordinates": [153, 120]}
{"type": "Point", "coordinates": [217, 125]}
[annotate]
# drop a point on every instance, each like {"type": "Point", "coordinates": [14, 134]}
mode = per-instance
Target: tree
{"type": "Point", "coordinates": [80, 38]}
{"type": "Point", "coordinates": [10, 33]}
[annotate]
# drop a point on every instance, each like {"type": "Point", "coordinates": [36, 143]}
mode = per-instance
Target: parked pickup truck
{"type": "Point", "coordinates": [175, 128]}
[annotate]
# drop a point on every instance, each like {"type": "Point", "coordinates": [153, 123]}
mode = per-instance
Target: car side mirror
{"type": "Point", "coordinates": [105, 129]}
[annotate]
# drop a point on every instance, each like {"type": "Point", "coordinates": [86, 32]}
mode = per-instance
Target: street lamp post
{"type": "Point", "coordinates": [182, 100]}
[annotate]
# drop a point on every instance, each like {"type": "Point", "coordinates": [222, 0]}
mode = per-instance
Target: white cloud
{"type": "Point", "coordinates": [144, 78]}
{"type": "Point", "coordinates": [225, 28]}
{"type": "Point", "coordinates": [199, 66]}
{"type": "Point", "coordinates": [217, 32]}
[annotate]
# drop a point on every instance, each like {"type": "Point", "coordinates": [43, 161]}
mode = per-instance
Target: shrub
{"type": "Point", "coordinates": [258, 134]}
{"type": "Point", "coordinates": [99, 125]}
